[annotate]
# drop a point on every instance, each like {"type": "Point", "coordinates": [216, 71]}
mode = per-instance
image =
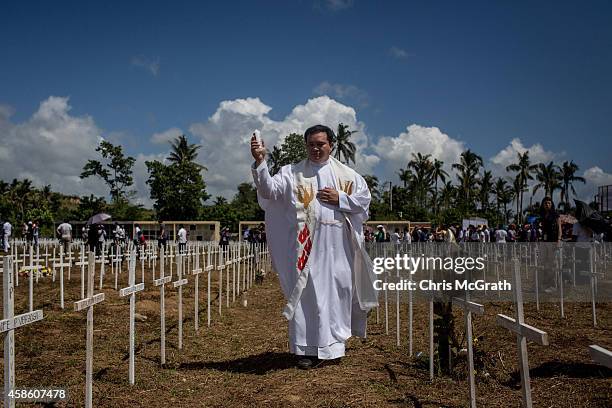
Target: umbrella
{"type": "Point", "coordinates": [98, 218]}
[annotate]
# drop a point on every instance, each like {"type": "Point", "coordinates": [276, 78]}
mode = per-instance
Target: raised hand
{"type": "Point", "coordinates": [258, 150]}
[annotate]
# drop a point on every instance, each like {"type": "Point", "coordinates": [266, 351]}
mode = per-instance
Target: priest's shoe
{"type": "Point", "coordinates": [306, 363]}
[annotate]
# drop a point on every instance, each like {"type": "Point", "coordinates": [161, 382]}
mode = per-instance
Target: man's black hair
{"type": "Point", "coordinates": [331, 137]}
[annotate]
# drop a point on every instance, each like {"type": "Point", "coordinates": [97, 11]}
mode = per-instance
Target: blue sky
{"type": "Point", "coordinates": [482, 72]}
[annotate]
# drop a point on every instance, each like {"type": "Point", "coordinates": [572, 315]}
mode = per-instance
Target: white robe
{"type": "Point", "coordinates": [328, 312]}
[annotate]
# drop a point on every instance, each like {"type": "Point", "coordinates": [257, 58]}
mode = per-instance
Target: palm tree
{"type": "Point", "coordinates": [372, 182]}
{"type": "Point", "coordinates": [182, 151]}
{"type": "Point", "coordinates": [486, 187]}
{"type": "Point", "coordinates": [448, 194]}
{"type": "Point", "coordinates": [523, 168]}
{"type": "Point", "coordinates": [517, 192]}
{"type": "Point", "coordinates": [568, 171]}
{"type": "Point", "coordinates": [548, 178]}
{"type": "Point", "coordinates": [422, 179]}
{"type": "Point", "coordinates": [343, 146]}
{"type": "Point", "coordinates": [469, 166]}
{"type": "Point", "coordinates": [220, 200]}
{"type": "Point", "coordinates": [503, 195]}
{"type": "Point", "coordinates": [405, 176]}
{"type": "Point", "coordinates": [437, 172]}
{"type": "Point", "coordinates": [20, 193]}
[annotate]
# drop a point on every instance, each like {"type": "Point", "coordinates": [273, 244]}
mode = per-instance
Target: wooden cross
{"type": "Point", "coordinates": [8, 326]}
{"type": "Point", "coordinates": [469, 308]}
{"type": "Point", "coordinates": [102, 261]}
{"type": "Point", "coordinates": [179, 284]}
{"type": "Point", "coordinates": [153, 257]}
{"type": "Point", "coordinates": [209, 268]}
{"type": "Point", "coordinates": [69, 260]}
{"type": "Point", "coordinates": [88, 303]}
{"type": "Point", "coordinates": [162, 305]}
{"type": "Point", "coordinates": [220, 267]}
{"type": "Point", "coordinates": [238, 263]}
{"type": "Point", "coordinates": [228, 262]}
{"type": "Point", "coordinates": [523, 333]}
{"type": "Point", "coordinates": [31, 270]}
{"type": "Point", "coordinates": [170, 257]}
{"type": "Point", "coordinates": [234, 262]}
{"type": "Point", "coordinates": [601, 356]}
{"type": "Point", "coordinates": [131, 292]}
{"type": "Point", "coordinates": [196, 271]}
{"type": "Point", "coordinates": [82, 264]}
{"type": "Point", "coordinates": [143, 257]}
{"type": "Point", "coordinates": [61, 266]}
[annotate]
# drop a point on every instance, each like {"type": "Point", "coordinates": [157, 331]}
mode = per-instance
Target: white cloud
{"type": "Point", "coordinates": [398, 53]}
{"type": "Point", "coordinates": [226, 134]}
{"type": "Point", "coordinates": [166, 136]}
{"type": "Point", "coordinates": [509, 154]}
{"type": "Point", "coordinates": [395, 152]}
{"type": "Point", "coordinates": [595, 177]}
{"type": "Point", "coordinates": [151, 65]}
{"type": "Point", "coordinates": [348, 93]}
{"type": "Point", "coordinates": [50, 148]}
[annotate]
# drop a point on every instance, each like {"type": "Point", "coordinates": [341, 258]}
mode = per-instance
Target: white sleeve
{"type": "Point", "coordinates": [268, 187]}
{"type": "Point", "coordinates": [358, 201]}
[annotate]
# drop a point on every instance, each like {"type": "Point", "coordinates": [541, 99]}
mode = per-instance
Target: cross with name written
{"type": "Point", "coordinates": [8, 326]}
{"type": "Point", "coordinates": [131, 292]}
{"type": "Point", "coordinates": [523, 332]}
{"type": "Point", "coordinates": [88, 303]}
{"type": "Point", "coordinates": [179, 284]}
{"type": "Point", "coordinates": [162, 304]}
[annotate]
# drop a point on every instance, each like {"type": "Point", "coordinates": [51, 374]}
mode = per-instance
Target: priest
{"type": "Point", "coordinates": [315, 210]}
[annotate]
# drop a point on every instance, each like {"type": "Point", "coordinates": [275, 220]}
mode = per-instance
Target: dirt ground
{"type": "Point", "coordinates": [242, 360]}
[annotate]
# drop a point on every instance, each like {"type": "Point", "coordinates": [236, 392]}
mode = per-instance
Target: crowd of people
{"type": "Point", "coordinates": [546, 228]}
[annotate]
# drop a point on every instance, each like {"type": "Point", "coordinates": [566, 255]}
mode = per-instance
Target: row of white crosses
{"type": "Point", "coordinates": [8, 325]}
{"type": "Point", "coordinates": [517, 325]}
{"type": "Point", "coordinates": [225, 258]}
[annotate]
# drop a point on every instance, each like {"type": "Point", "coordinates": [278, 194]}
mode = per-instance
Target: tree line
{"type": "Point", "coordinates": [426, 192]}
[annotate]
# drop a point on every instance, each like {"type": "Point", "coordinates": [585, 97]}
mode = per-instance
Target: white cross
{"type": "Point", "coordinates": [601, 356]}
{"type": "Point", "coordinates": [8, 326]}
{"type": "Point", "coordinates": [179, 284]}
{"type": "Point", "coordinates": [523, 332]}
{"type": "Point", "coordinates": [220, 267]}
{"type": "Point", "coordinates": [228, 262]}
{"type": "Point", "coordinates": [61, 266]}
{"type": "Point", "coordinates": [82, 264]}
{"type": "Point", "coordinates": [196, 271]}
{"type": "Point", "coordinates": [31, 269]}
{"type": "Point", "coordinates": [209, 268]}
{"type": "Point", "coordinates": [469, 308]}
{"type": "Point", "coordinates": [162, 304]}
{"type": "Point", "coordinates": [102, 261]}
{"type": "Point", "coordinates": [131, 292]}
{"type": "Point", "coordinates": [88, 304]}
